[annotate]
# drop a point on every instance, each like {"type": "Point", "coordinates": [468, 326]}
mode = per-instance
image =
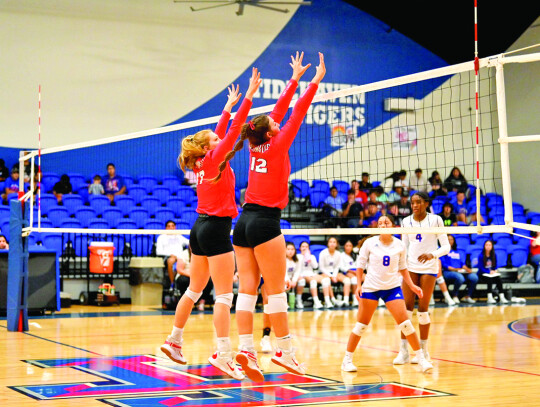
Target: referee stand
{"type": "Point", "coordinates": [17, 286]}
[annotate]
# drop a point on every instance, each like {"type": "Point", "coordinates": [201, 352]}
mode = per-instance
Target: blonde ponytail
{"type": "Point", "coordinates": [193, 149]}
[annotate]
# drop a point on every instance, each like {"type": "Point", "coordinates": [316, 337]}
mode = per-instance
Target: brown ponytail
{"type": "Point", "coordinates": [193, 149]}
{"type": "Point", "coordinates": [254, 131]}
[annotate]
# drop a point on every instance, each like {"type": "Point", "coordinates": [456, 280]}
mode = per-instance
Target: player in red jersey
{"type": "Point", "coordinates": [210, 242]}
{"type": "Point", "coordinates": [257, 239]}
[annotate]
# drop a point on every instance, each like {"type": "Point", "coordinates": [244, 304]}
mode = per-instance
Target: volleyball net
{"type": "Point", "coordinates": [436, 121]}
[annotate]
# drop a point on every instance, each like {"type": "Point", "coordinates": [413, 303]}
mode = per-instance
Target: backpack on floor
{"type": "Point", "coordinates": [525, 274]}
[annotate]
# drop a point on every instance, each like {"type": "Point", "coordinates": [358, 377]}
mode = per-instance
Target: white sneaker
{"type": "Point", "coordinates": [425, 365]}
{"type": "Point", "coordinates": [402, 357]}
{"type": "Point", "coordinates": [266, 345]}
{"type": "Point", "coordinates": [449, 302]}
{"type": "Point", "coordinates": [415, 359]}
{"type": "Point", "coordinates": [248, 361]}
{"type": "Point", "coordinates": [339, 303]}
{"type": "Point", "coordinates": [354, 301]}
{"type": "Point", "coordinates": [456, 300]}
{"type": "Point", "coordinates": [328, 304]}
{"type": "Point", "coordinates": [468, 300]}
{"type": "Point", "coordinates": [288, 361]}
{"type": "Point", "coordinates": [317, 304]}
{"type": "Point", "coordinates": [502, 299]}
{"type": "Point", "coordinates": [490, 299]}
{"type": "Point", "coordinates": [174, 351]}
{"type": "Point", "coordinates": [224, 362]}
{"type": "Point", "coordinates": [348, 365]}
{"type": "Point", "coordinates": [519, 300]}
{"type": "Point", "coordinates": [432, 301]}
{"type": "Point", "coordinates": [299, 304]}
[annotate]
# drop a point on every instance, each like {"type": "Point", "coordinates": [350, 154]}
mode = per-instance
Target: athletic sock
{"type": "Point", "coordinates": [176, 334]}
{"type": "Point", "coordinates": [246, 342]}
{"type": "Point", "coordinates": [224, 344]}
{"type": "Point", "coordinates": [284, 343]}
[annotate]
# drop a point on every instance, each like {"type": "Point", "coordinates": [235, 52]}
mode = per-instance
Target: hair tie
{"type": "Point", "coordinates": [251, 125]}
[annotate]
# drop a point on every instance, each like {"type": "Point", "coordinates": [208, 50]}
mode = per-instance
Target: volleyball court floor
{"type": "Point", "coordinates": [91, 356]}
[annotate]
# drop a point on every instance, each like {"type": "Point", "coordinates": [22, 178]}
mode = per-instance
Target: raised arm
{"type": "Point", "coordinates": [232, 99]}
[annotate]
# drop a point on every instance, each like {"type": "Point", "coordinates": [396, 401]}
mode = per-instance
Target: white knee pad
{"type": "Point", "coordinates": [409, 314]}
{"type": "Point", "coordinates": [246, 302]}
{"type": "Point", "coordinates": [407, 327]}
{"type": "Point", "coordinates": [301, 282]}
{"type": "Point", "coordinates": [346, 281]}
{"type": "Point", "coordinates": [276, 303]}
{"type": "Point", "coordinates": [226, 299]}
{"type": "Point", "coordinates": [354, 280]}
{"type": "Point", "coordinates": [313, 284]}
{"type": "Point", "coordinates": [359, 329]}
{"type": "Point", "coordinates": [193, 295]}
{"type": "Point", "coordinates": [325, 282]}
{"type": "Point", "coordinates": [440, 280]}
{"type": "Point", "coordinates": [423, 318]}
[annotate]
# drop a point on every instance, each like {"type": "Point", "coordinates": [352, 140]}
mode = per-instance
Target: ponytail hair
{"type": "Point", "coordinates": [254, 131]}
{"type": "Point", "coordinates": [193, 149]}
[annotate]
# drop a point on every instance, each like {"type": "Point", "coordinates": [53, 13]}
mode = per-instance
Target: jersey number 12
{"type": "Point", "coordinates": [258, 165]}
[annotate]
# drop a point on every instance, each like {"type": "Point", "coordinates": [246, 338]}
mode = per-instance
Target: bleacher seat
{"type": "Point", "coordinates": [71, 202]}
{"type": "Point", "coordinates": [52, 241]}
{"type": "Point", "coordinates": [534, 219]}
{"type": "Point", "coordinates": [4, 212]}
{"type": "Point", "coordinates": [517, 209]}
{"type": "Point", "coordinates": [185, 193]}
{"type": "Point", "coordinates": [128, 181]}
{"type": "Point", "coordinates": [148, 182]}
{"type": "Point", "coordinates": [162, 193]}
{"type": "Point", "coordinates": [47, 201]}
{"type": "Point", "coordinates": [139, 215]}
{"type": "Point", "coordinates": [437, 204]}
{"type": "Point", "coordinates": [189, 215]}
{"type": "Point", "coordinates": [462, 241]}
{"type": "Point", "coordinates": [112, 215]}
{"type": "Point", "coordinates": [283, 224]}
{"type": "Point", "coordinates": [119, 242]}
{"type": "Point", "coordinates": [151, 204]}
{"type": "Point", "coordinates": [83, 193]}
{"type": "Point", "coordinates": [520, 219]}
{"type": "Point", "coordinates": [496, 210]}
{"type": "Point", "coordinates": [56, 215]}
{"type": "Point", "coordinates": [84, 214]}
{"type": "Point", "coordinates": [141, 245]}
{"type": "Point", "coordinates": [80, 245]}
{"type": "Point", "coordinates": [316, 249]}
{"type": "Point", "coordinates": [194, 202]}
{"type": "Point", "coordinates": [70, 223]}
{"type": "Point", "coordinates": [502, 239]}
{"type": "Point", "coordinates": [126, 223]}
{"type": "Point", "coordinates": [182, 225]}
{"type": "Point", "coordinates": [171, 182]}
{"type": "Point", "coordinates": [164, 214]}
{"type": "Point", "coordinates": [99, 203]}
{"type": "Point", "coordinates": [4, 228]}
{"type": "Point", "coordinates": [125, 203]}
{"type": "Point", "coordinates": [138, 193]}
{"type": "Point", "coordinates": [502, 256]}
{"type": "Point", "coordinates": [177, 205]}
{"type": "Point", "coordinates": [342, 186]}
{"type": "Point", "coordinates": [44, 222]}
{"type": "Point", "coordinates": [497, 220]}
{"type": "Point", "coordinates": [99, 223]}
{"type": "Point", "coordinates": [320, 185]}
{"type": "Point", "coordinates": [376, 184]}
{"type": "Point", "coordinates": [518, 255]}
{"type": "Point", "coordinates": [77, 180]}
{"type": "Point", "coordinates": [154, 224]}
{"type": "Point", "coordinates": [473, 251]}
{"type": "Point", "coordinates": [297, 240]}
{"type": "Point", "coordinates": [48, 180]}
{"type": "Point", "coordinates": [317, 198]}
{"type": "Point", "coordinates": [34, 238]}
{"type": "Point", "coordinates": [300, 188]}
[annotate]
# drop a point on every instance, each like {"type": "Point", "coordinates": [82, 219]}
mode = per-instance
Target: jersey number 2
{"type": "Point", "coordinates": [386, 260]}
{"type": "Point", "coordinates": [258, 165]}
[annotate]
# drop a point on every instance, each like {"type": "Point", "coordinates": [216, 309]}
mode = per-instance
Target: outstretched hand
{"type": "Point", "coordinates": [321, 70]}
{"type": "Point", "coordinates": [233, 97]}
{"type": "Point", "coordinates": [254, 83]}
{"type": "Point", "coordinates": [296, 65]}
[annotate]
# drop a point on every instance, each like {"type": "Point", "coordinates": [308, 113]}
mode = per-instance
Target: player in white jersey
{"type": "Point", "coordinates": [423, 259]}
{"type": "Point", "coordinates": [329, 267]}
{"type": "Point", "coordinates": [348, 269]}
{"type": "Point", "coordinates": [308, 265]}
{"type": "Point", "coordinates": [385, 257]}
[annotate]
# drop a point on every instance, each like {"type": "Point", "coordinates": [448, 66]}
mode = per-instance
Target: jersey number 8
{"type": "Point", "coordinates": [386, 260]}
{"type": "Point", "coordinates": [258, 165]}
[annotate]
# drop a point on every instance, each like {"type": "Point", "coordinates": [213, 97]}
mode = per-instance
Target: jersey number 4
{"type": "Point", "coordinates": [258, 165]}
{"type": "Point", "coordinates": [419, 237]}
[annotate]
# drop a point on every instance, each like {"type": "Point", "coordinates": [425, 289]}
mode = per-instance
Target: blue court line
{"type": "Point", "coordinates": [511, 327]}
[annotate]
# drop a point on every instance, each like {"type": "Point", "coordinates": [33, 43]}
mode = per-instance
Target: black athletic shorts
{"type": "Point", "coordinates": [211, 235]}
{"type": "Point", "coordinates": [256, 225]}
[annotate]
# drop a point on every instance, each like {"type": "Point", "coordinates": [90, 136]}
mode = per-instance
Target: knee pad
{"type": "Point", "coordinates": [192, 295]}
{"type": "Point", "coordinates": [409, 314]}
{"type": "Point", "coordinates": [325, 282]}
{"type": "Point", "coordinates": [276, 303]}
{"type": "Point", "coordinates": [407, 327]}
{"type": "Point", "coordinates": [423, 318]}
{"type": "Point", "coordinates": [301, 282]}
{"type": "Point", "coordinates": [440, 280]}
{"type": "Point", "coordinates": [313, 284]}
{"type": "Point", "coordinates": [359, 329]}
{"type": "Point", "coordinates": [246, 302]}
{"type": "Point", "coordinates": [354, 280]}
{"type": "Point", "coordinates": [226, 299]}
{"type": "Point", "coordinates": [346, 281]}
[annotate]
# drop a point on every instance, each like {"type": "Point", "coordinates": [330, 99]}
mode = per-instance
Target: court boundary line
{"type": "Point", "coordinates": [512, 329]}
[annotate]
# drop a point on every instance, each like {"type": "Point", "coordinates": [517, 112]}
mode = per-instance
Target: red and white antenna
{"type": "Point", "coordinates": [39, 158]}
{"type": "Point", "coordinates": [477, 115]}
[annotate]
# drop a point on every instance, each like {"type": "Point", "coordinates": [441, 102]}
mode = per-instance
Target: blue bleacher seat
{"type": "Point", "coordinates": [139, 215]}
{"type": "Point", "coordinates": [520, 219]}
{"type": "Point", "coordinates": [182, 225]}
{"type": "Point", "coordinates": [71, 202]}
{"type": "Point", "coordinates": [34, 238]}
{"type": "Point", "coordinates": [148, 182]}
{"type": "Point", "coordinates": [4, 211]}
{"type": "Point", "coordinates": [185, 193]}
{"type": "Point", "coordinates": [99, 223]}
{"type": "Point", "coordinates": [154, 224]}
{"type": "Point", "coordinates": [297, 240]}
{"type": "Point", "coordinates": [496, 210]}
{"type": "Point", "coordinates": [462, 255]}
{"type": "Point", "coordinates": [48, 180]}
{"type": "Point", "coordinates": [171, 182]}
{"type": "Point", "coordinates": [317, 198]}
{"type": "Point", "coordinates": [56, 215]}
{"type": "Point", "coordinates": [77, 180]}
{"type": "Point", "coordinates": [126, 223]}
{"type": "Point", "coordinates": [99, 203]}
{"type": "Point", "coordinates": [12, 196]}
{"type": "Point", "coordinates": [161, 193]}
{"type": "Point", "coordinates": [479, 240]}
{"type": "Point", "coordinates": [518, 209]}
{"type": "Point", "coordinates": [44, 222]}
{"type": "Point", "coordinates": [473, 251]}
{"type": "Point", "coordinates": [189, 215]}
{"type": "Point", "coordinates": [128, 181]}
{"type": "Point", "coordinates": [112, 215]}
{"type": "Point", "coordinates": [502, 239]}
{"type": "Point", "coordinates": [141, 245]}
{"type": "Point", "coordinates": [320, 185]}
{"type": "Point", "coordinates": [193, 203]}
{"type": "Point", "coordinates": [125, 203]}
{"type": "Point", "coordinates": [497, 220]}
{"type": "Point", "coordinates": [462, 241]}
{"type": "Point", "coordinates": [502, 256]}
{"type": "Point", "coordinates": [83, 193]}
{"type": "Point", "coordinates": [283, 224]}
{"type": "Point", "coordinates": [4, 228]}
{"type": "Point", "coordinates": [119, 242]}
{"type": "Point", "coordinates": [52, 241]}
{"type": "Point", "coordinates": [300, 188]}
{"type": "Point", "coordinates": [518, 255]}
{"type": "Point", "coordinates": [164, 214]}
{"type": "Point", "coordinates": [316, 249]}
{"type": "Point", "coordinates": [80, 245]}
{"type": "Point", "coordinates": [84, 214]}
{"type": "Point", "coordinates": [437, 205]}
{"type": "Point", "coordinates": [47, 201]}
{"type": "Point", "coordinates": [177, 205]}
{"type": "Point", "coordinates": [342, 186]}
{"type": "Point", "coordinates": [151, 204]}
{"type": "Point", "coordinates": [70, 223]}
{"type": "Point", "coordinates": [138, 193]}
{"type": "Point", "coordinates": [534, 219]}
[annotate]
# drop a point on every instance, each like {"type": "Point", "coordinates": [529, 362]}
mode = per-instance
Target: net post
{"type": "Point", "coordinates": [17, 287]}
{"type": "Point", "coordinates": [503, 133]}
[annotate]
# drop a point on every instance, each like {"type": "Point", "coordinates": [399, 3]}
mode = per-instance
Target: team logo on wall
{"type": "Point", "coordinates": [149, 380]}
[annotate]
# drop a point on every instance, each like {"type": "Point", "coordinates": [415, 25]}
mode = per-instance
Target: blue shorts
{"type": "Point", "coordinates": [387, 295]}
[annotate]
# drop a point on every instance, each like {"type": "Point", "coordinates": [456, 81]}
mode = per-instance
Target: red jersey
{"type": "Point", "coordinates": [269, 164]}
{"type": "Point", "coordinates": [218, 199]}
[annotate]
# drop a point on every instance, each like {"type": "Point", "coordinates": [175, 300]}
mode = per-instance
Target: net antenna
{"type": "Point", "coordinates": [268, 5]}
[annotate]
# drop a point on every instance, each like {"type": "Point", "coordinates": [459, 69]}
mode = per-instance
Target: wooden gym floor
{"type": "Point", "coordinates": [90, 356]}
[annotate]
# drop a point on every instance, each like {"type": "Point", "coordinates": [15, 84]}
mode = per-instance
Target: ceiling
{"type": "Point", "coordinates": [449, 31]}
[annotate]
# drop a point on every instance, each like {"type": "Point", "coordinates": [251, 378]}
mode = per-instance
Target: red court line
{"type": "Point", "coordinates": [439, 359]}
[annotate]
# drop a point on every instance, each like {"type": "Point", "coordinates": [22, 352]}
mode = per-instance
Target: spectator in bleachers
{"type": "Point", "coordinates": [456, 272]}
{"type": "Point", "coordinates": [404, 207]}
{"type": "Point", "coordinates": [393, 210]}
{"type": "Point", "coordinates": [437, 187]}
{"type": "Point", "coordinates": [535, 255]}
{"type": "Point", "coordinates": [113, 184]}
{"type": "Point", "coordinates": [390, 181]}
{"type": "Point", "coordinates": [365, 185]}
{"type": "Point", "coordinates": [27, 168]}
{"type": "Point", "coordinates": [348, 268]}
{"type": "Point", "coordinates": [333, 206]}
{"type": "Point", "coordinates": [456, 181]}
{"type": "Point", "coordinates": [395, 194]}
{"type": "Point", "coordinates": [402, 181]}
{"type": "Point", "coordinates": [190, 179]}
{"type": "Point", "coordinates": [359, 194]}
{"type": "Point", "coordinates": [460, 207]}
{"type": "Point", "coordinates": [96, 187]}
{"type": "Point", "coordinates": [62, 187]}
{"type": "Point", "coordinates": [4, 245]}
{"type": "Point", "coordinates": [352, 211]}
{"type": "Point", "coordinates": [382, 197]}
{"type": "Point", "coordinates": [371, 215]}
{"type": "Point", "coordinates": [447, 215]}
{"type": "Point", "coordinates": [418, 183]}
{"type": "Point", "coordinates": [171, 248]}
{"type": "Point", "coordinates": [308, 265]}
{"type": "Point", "coordinates": [11, 184]}
{"type": "Point", "coordinates": [488, 273]}
{"type": "Point", "coordinates": [4, 170]}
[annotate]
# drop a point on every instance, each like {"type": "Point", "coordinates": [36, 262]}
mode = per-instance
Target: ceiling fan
{"type": "Point", "coordinates": [269, 5]}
